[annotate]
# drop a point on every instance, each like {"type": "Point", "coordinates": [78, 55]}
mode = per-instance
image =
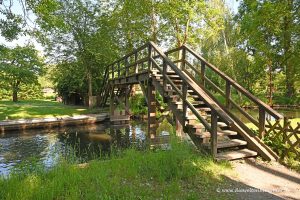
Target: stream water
{"type": "Point", "coordinates": [79, 144]}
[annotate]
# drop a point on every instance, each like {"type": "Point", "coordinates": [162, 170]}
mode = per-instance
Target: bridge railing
{"type": "Point", "coordinates": [196, 66]}
{"type": "Point", "coordinates": [149, 57]}
{"type": "Point", "coordinates": [160, 61]}
{"type": "Point", "coordinates": [278, 131]}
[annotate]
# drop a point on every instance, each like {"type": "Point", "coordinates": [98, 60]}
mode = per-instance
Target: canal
{"type": "Point", "coordinates": [76, 144]}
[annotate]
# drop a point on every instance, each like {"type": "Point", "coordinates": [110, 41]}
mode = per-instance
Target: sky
{"type": "Point", "coordinates": [23, 40]}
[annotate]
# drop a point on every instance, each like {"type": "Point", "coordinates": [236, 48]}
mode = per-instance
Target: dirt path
{"type": "Point", "coordinates": [254, 179]}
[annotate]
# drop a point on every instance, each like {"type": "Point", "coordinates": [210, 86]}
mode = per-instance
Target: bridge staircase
{"type": "Point", "coordinates": [181, 78]}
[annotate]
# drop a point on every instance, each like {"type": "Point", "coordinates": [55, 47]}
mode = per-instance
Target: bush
{"type": "Point", "coordinates": [138, 104]}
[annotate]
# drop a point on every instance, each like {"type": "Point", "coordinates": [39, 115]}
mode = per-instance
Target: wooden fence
{"type": "Point", "coordinates": [284, 137]}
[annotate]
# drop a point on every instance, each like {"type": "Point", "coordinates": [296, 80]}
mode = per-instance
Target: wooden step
{"type": "Point", "coordinates": [219, 133]}
{"type": "Point", "coordinates": [170, 76]}
{"type": "Point", "coordinates": [231, 143]}
{"type": "Point", "coordinates": [192, 102]}
{"type": "Point", "coordinates": [222, 124]}
{"type": "Point", "coordinates": [156, 71]}
{"type": "Point", "coordinates": [197, 126]}
{"type": "Point", "coordinates": [174, 96]}
{"type": "Point", "coordinates": [194, 96]}
{"type": "Point", "coordinates": [206, 109]}
{"type": "Point", "coordinates": [233, 155]}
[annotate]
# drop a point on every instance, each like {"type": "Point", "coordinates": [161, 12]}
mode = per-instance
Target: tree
{"type": "Point", "coordinates": [19, 66]}
{"type": "Point", "coordinates": [271, 34]}
{"type": "Point", "coordinates": [70, 32]}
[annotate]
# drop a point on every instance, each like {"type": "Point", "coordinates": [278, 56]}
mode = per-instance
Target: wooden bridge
{"type": "Point", "coordinates": [181, 77]}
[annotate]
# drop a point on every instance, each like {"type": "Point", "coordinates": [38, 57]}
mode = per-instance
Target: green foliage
{"type": "Point", "coordinates": [171, 174]}
{"type": "Point", "coordinates": [165, 126]}
{"type": "Point", "coordinates": [11, 25]}
{"type": "Point", "coordinates": [82, 37]}
{"type": "Point", "coordinates": [19, 66]}
{"type": "Point", "coordinates": [138, 104]}
{"type": "Point", "coordinates": [270, 35]}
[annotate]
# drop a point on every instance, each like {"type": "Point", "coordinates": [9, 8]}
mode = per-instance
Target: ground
{"type": "Point", "coordinates": [39, 109]}
{"type": "Point", "coordinates": [265, 180]}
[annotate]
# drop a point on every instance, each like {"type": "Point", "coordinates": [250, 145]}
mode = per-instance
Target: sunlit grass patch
{"type": "Point", "coordinates": [39, 109]}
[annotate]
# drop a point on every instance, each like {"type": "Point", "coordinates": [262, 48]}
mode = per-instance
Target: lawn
{"type": "Point", "coordinates": [38, 109]}
{"type": "Point", "coordinates": [179, 173]}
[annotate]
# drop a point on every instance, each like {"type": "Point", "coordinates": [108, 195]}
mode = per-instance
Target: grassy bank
{"type": "Point", "coordinates": [39, 109]}
{"type": "Point", "coordinates": [180, 173]}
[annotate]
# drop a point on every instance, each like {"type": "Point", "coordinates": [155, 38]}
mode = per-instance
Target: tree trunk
{"type": "Point", "coordinates": [90, 91]}
{"type": "Point", "coordinates": [270, 86]}
{"type": "Point", "coordinates": [287, 37]}
{"type": "Point", "coordinates": [153, 24]}
{"type": "Point", "coordinates": [15, 95]}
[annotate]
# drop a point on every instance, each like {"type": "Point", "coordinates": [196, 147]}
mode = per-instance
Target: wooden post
{"type": "Point", "coordinates": [228, 94]}
{"type": "Point", "coordinates": [127, 92]}
{"type": "Point", "coordinates": [112, 72]}
{"type": "Point", "coordinates": [184, 105]}
{"type": "Point", "coordinates": [112, 101]}
{"type": "Point", "coordinates": [183, 58]}
{"type": "Point", "coordinates": [213, 132]}
{"type": "Point", "coordinates": [203, 73]}
{"type": "Point", "coordinates": [285, 132]}
{"type": "Point", "coordinates": [164, 76]}
{"type": "Point", "coordinates": [126, 67]}
{"type": "Point", "coordinates": [262, 122]}
{"type": "Point", "coordinates": [136, 65]}
{"type": "Point", "coordinates": [179, 129]}
{"type": "Point", "coordinates": [149, 56]}
{"type": "Point", "coordinates": [151, 110]}
{"type": "Point", "coordinates": [118, 70]}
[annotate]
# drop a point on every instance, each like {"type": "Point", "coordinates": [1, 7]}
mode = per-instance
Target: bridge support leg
{"type": "Point", "coordinates": [151, 110]}
{"type": "Point", "coordinates": [179, 129]}
{"type": "Point", "coordinates": [127, 94]}
{"type": "Point", "coordinates": [112, 103]}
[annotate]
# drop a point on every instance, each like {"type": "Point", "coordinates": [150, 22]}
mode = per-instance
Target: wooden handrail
{"type": "Point", "coordinates": [237, 86]}
{"type": "Point", "coordinates": [181, 95]}
{"type": "Point", "coordinates": [189, 82]}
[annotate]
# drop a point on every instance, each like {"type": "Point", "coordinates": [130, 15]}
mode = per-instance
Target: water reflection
{"type": "Point", "coordinates": [79, 144]}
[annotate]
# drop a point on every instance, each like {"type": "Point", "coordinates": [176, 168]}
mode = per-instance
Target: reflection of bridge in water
{"type": "Point", "coordinates": [199, 96]}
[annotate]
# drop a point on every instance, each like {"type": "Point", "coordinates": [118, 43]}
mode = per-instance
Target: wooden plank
{"type": "Point", "coordinates": [194, 86]}
{"type": "Point", "coordinates": [257, 101]}
{"type": "Point", "coordinates": [202, 75]}
{"type": "Point", "coordinates": [237, 154]}
{"type": "Point", "coordinates": [228, 94]}
{"type": "Point", "coordinates": [219, 134]}
{"type": "Point", "coordinates": [151, 109]}
{"type": "Point", "coordinates": [214, 136]}
{"type": "Point", "coordinates": [231, 143]}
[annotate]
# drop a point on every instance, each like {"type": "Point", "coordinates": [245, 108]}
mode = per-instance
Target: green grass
{"type": "Point", "coordinates": [38, 109]}
{"type": "Point", "coordinates": [180, 173]}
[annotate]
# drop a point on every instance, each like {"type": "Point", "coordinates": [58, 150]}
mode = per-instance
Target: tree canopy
{"type": "Point", "coordinates": [19, 66]}
{"type": "Point", "coordinates": [258, 46]}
